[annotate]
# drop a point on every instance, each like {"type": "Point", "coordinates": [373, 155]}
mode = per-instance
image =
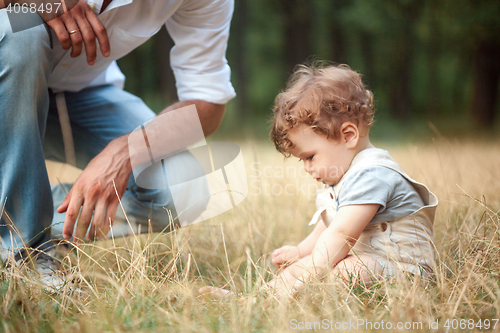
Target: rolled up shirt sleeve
{"type": "Point", "coordinates": [200, 31]}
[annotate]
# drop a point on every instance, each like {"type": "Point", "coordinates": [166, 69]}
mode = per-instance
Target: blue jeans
{"type": "Point", "coordinates": [30, 132]}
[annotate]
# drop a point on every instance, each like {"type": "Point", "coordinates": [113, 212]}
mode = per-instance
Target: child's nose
{"type": "Point", "coordinates": [308, 166]}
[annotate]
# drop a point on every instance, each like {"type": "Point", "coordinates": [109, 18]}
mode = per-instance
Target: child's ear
{"type": "Point", "coordinates": [350, 134]}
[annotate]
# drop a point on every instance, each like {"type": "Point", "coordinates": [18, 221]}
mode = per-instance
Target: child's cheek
{"type": "Point", "coordinates": [323, 172]}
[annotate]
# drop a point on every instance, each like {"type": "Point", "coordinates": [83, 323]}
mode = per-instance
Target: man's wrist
{"type": "Point", "coordinates": [121, 145]}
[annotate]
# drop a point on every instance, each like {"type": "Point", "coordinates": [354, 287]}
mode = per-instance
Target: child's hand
{"type": "Point", "coordinates": [285, 255]}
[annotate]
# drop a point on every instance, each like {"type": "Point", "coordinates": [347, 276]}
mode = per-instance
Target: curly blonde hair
{"type": "Point", "coordinates": [322, 97]}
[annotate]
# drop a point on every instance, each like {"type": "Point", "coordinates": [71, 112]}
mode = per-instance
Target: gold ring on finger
{"type": "Point", "coordinates": [74, 31]}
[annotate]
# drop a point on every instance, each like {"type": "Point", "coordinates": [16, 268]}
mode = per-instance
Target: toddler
{"type": "Point", "coordinates": [372, 219]}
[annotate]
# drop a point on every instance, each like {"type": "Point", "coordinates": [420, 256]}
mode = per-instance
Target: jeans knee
{"type": "Point", "coordinates": [24, 51]}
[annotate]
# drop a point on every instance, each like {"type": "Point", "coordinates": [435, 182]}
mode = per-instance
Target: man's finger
{"type": "Point", "coordinates": [110, 216]}
{"type": "Point", "coordinates": [84, 221]}
{"type": "Point", "coordinates": [88, 38]}
{"type": "Point", "coordinates": [111, 211]}
{"type": "Point", "coordinates": [99, 31]}
{"type": "Point", "coordinates": [102, 227]}
{"type": "Point", "coordinates": [71, 215]}
{"type": "Point", "coordinates": [64, 205]}
{"type": "Point", "coordinates": [98, 222]}
{"type": "Point", "coordinates": [75, 35]}
{"type": "Point", "coordinates": [61, 32]}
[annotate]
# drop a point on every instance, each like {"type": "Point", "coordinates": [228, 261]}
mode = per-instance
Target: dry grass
{"type": "Point", "coordinates": [149, 283]}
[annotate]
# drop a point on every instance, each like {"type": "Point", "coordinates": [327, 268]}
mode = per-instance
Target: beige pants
{"type": "Point", "coordinates": [400, 246]}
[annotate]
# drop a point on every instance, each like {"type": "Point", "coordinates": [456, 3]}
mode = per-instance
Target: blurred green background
{"type": "Point", "coordinates": [433, 65]}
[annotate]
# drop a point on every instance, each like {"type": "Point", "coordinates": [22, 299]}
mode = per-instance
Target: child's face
{"type": "Point", "coordinates": [324, 159]}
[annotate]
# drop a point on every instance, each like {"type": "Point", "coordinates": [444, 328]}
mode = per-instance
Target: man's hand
{"type": "Point", "coordinates": [285, 255]}
{"type": "Point", "coordinates": [79, 25]}
{"type": "Point", "coordinates": [94, 190]}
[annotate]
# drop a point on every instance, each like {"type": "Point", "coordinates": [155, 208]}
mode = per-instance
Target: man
{"type": "Point", "coordinates": [38, 79]}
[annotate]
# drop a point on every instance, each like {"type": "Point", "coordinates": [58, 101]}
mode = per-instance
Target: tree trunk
{"type": "Point", "coordinates": [486, 80]}
{"type": "Point", "coordinates": [401, 94]}
{"type": "Point", "coordinates": [298, 38]}
{"type": "Point", "coordinates": [238, 33]}
{"type": "Point", "coordinates": [339, 45]}
{"type": "Point", "coordinates": [338, 38]}
{"type": "Point", "coordinates": [368, 57]}
{"type": "Point", "coordinates": [433, 53]}
{"type": "Point", "coordinates": [402, 105]}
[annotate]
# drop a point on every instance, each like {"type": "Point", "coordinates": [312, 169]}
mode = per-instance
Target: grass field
{"type": "Point", "coordinates": [149, 282]}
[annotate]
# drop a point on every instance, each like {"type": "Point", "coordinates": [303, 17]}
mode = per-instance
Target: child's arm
{"type": "Point", "coordinates": [289, 254]}
{"type": "Point", "coordinates": [336, 241]}
{"type": "Point", "coordinates": [307, 245]}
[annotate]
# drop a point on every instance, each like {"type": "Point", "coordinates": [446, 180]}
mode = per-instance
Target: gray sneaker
{"type": "Point", "coordinates": [49, 271]}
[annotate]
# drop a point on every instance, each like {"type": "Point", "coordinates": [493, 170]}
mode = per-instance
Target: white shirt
{"type": "Point", "coordinates": [199, 29]}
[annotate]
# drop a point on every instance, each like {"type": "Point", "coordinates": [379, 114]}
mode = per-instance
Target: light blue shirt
{"type": "Point", "coordinates": [383, 186]}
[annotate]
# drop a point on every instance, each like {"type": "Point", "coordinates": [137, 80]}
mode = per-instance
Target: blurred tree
{"type": "Point", "coordinates": [486, 79]}
{"type": "Point", "coordinates": [368, 57]}
{"type": "Point", "coordinates": [475, 26]}
{"type": "Point", "coordinates": [298, 31]}
{"type": "Point", "coordinates": [433, 51]}
{"type": "Point", "coordinates": [165, 80]}
{"type": "Point", "coordinates": [239, 28]}
{"type": "Point", "coordinates": [485, 28]}
{"type": "Point", "coordinates": [405, 13]}
{"type": "Point", "coordinates": [387, 27]}
{"type": "Point", "coordinates": [421, 58]}
{"type": "Point", "coordinates": [337, 27]}
{"type": "Point", "coordinates": [362, 20]}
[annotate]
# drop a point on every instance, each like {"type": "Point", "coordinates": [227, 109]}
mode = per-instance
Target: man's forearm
{"type": "Point", "coordinates": [210, 114]}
